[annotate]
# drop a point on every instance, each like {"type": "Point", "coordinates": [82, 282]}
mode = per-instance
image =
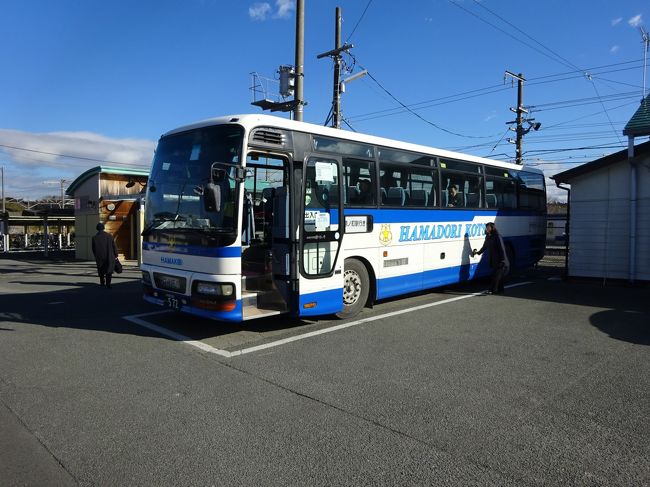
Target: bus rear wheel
{"type": "Point", "coordinates": [356, 287]}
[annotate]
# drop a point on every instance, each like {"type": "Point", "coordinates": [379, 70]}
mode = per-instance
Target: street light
{"type": "Point", "coordinates": [358, 75]}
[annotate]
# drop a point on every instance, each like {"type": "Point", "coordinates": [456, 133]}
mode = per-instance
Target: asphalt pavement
{"type": "Point", "coordinates": [546, 385]}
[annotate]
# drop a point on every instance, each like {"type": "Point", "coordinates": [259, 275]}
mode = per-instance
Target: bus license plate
{"type": "Point", "coordinates": [172, 302]}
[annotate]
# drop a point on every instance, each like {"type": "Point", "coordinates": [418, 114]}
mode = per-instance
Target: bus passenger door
{"type": "Point", "coordinates": [320, 286]}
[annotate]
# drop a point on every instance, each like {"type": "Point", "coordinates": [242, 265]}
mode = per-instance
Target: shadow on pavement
{"type": "Point", "coordinates": [91, 307]}
{"type": "Point", "coordinates": [622, 311]}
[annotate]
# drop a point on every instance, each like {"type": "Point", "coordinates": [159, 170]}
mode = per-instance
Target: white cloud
{"type": "Point", "coordinates": [635, 21]}
{"type": "Point", "coordinates": [489, 117]}
{"type": "Point", "coordinates": [284, 8]}
{"type": "Point", "coordinates": [262, 10]}
{"type": "Point", "coordinates": [614, 49]}
{"type": "Point", "coordinates": [32, 158]}
{"type": "Point", "coordinates": [616, 21]}
{"type": "Point", "coordinates": [259, 11]}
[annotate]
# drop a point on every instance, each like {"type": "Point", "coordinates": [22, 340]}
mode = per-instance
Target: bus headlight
{"type": "Point", "coordinates": [214, 288]}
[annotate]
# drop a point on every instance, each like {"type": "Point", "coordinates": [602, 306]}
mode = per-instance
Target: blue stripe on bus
{"type": "Point", "coordinates": [525, 256]}
{"type": "Point", "coordinates": [193, 250]}
{"type": "Point", "coordinates": [326, 302]}
{"type": "Point", "coordinates": [409, 283]}
{"type": "Point", "coordinates": [405, 215]}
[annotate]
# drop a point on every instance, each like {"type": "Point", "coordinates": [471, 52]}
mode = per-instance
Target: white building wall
{"type": "Point", "coordinates": [643, 220]}
{"type": "Point", "coordinates": [599, 233]}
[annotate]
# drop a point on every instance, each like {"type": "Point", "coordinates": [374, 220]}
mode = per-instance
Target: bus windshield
{"type": "Point", "coordinates": [193, 189]}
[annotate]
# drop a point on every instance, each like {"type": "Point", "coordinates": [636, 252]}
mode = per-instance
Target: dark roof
{"type": "Point", "coordinates": [639, 124]}
{"type": "Point", "coordinates": [620, 156]}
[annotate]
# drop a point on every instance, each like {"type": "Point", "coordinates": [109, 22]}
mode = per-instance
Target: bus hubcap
{"type": "Point", "coordinates": [351, 287]}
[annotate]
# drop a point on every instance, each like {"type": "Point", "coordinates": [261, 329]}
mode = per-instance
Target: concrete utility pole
{"type": "Point", "coordinates": [62, 181]}
{"type": "Point", "coordinates": [300, 59]}
{"type": "Point", "coordinates": [2, 174]}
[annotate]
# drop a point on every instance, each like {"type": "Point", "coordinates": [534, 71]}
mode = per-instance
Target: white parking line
{"type": "Point", "coordinates": [224, 353]}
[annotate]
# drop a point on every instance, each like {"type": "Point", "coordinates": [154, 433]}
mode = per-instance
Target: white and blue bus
{"type": "Point", "coordinates": [248, 216]}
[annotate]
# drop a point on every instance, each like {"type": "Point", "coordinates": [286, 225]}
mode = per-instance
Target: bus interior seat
{"type": "Point", "coordinates": [383, 195]}
{"type": "Point", "coordinates": [396, 196]}
{"type": "Point", "coordinates": [445, 200]}
{"type": "Point", "coordinates": [509, 200]}
{"type": "Point", "coordinates": [419, 197]}
{"type": "Point", "coordinates": [432, 198]}
{"type": "Point", "coordinates": [352, 194]}
{"type": "Point", "coordinates": [491, 200]}
{"type": "Point", "coordinates": [473, 200]}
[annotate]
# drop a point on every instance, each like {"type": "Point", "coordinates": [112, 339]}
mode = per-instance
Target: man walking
{"type": "Point", "coordinates": [105, 252]}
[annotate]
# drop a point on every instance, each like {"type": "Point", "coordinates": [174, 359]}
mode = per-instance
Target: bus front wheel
{"type": "Point", "coordinates": [356, 286]}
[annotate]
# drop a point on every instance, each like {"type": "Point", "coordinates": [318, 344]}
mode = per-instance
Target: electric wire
{"type": "Point", "coordinates": [558, 58]}
{"type": "Point", "coordinates": [73, 157]}
{"type": "Point", "coordinates": [359, 21]}
{"type": "Point", "coordinates": [418, 115]}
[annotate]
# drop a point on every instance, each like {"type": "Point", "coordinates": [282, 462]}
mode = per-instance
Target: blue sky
{"type": "Point", "coordinates": [102, 80]}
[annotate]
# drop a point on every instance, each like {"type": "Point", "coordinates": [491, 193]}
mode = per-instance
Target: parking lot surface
{"type": "Point", "coordinates": [546, 385]}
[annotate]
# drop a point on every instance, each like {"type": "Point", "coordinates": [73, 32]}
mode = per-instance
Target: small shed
{"type": "Point", "coordinates": [115, 197]}
{"type": "Point", "coordinates": [609, 210]}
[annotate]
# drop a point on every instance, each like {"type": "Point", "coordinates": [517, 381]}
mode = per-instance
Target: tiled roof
{"type": "Point", "coordinates": [639, 124]}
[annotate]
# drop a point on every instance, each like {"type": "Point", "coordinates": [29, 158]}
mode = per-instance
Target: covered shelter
{"type": "Point", "coordinates": [609, 210]}
{"type": "Point", "coordinates": [115, 197]}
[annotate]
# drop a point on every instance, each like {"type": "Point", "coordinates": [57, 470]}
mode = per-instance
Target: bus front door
{"type": "Point", "coordinates": [321, 233]}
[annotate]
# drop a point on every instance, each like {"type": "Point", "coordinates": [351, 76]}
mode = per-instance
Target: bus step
{"type": "Point", "coordinates": [266, 300]}
{"type": "Point", "coordinates": [261, 282]}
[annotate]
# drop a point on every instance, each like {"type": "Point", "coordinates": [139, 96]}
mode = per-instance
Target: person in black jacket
{"type": "Point", "coordinates": [454, 198]}
{"type": "Point", "coordinates": [498, 257]}
{"type": "Point", "coordinates": [105, 252]}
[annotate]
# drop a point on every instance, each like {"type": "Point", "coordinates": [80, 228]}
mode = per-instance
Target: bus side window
{"type": "Point", "coordinates": [359, 183]}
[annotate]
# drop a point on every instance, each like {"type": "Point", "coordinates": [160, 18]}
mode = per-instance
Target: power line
{"type": "Point", "coordinates": [476, 93]}
{"type": "Point", "coordinates": [564, 61]}
{"type": "Point", "coordinates": [418, 115]}
{"type": "Point", "coordinates": [558, 57]}
{"type": "Point", "coordinates": [507, 33]}
{"type": "Point", "coordinates": [73, 157]}
{"type": "Point", "coordinates": [359, 21]}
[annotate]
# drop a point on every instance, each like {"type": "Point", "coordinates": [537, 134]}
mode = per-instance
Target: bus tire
{"type": "Point", "coordinates": [356, 287]}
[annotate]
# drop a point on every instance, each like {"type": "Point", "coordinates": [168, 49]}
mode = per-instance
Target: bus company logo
{"type": "Point", "coordinates": [171, 261]}
{"type": "Point", "coordinates": [385, 235]}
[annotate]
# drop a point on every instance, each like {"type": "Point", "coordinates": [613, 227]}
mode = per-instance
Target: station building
{"type": "Point", "coordinates": [115, 197]}
{"type": "Point", "coordinates": [609, 210]}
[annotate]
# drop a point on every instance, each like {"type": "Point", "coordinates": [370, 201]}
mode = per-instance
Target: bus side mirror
{"type": "Point", "coordinates": [212, 197]}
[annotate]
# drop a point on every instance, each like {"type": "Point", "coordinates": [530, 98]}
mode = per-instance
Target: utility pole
{"type": "Point", "coordinates": [519, 130]}
{"type": "Point", "coordinates": [2, 174]}
{"type": "Point", "coordinates": [300, 59]}
{"type": "Point", "coordinates": [646, 44]}
{"type": "Point", "coordinates": [336, 91]}
{"type": "Point", "coordinates": [62, 181]}
{"type": "Point", "coordinates": [335, 54]}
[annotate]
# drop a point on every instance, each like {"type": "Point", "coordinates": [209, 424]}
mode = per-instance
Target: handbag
{"type": "Point", "coordinates": [118, 266]}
